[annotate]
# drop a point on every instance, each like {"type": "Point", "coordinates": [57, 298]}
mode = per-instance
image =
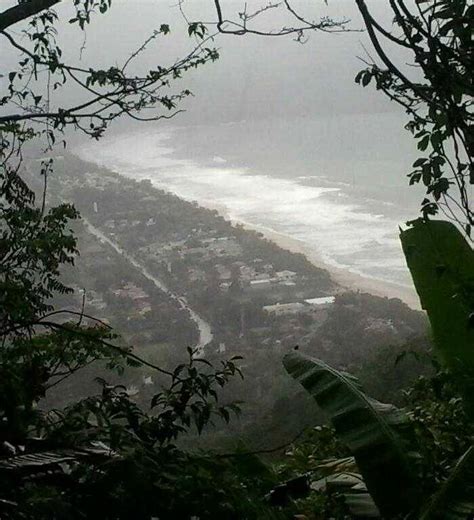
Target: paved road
{"type": "Point", "coordinates": [204, 328]}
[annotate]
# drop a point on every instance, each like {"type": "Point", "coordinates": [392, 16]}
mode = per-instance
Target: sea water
{"type": "Point", "coordinates": [336, 185]}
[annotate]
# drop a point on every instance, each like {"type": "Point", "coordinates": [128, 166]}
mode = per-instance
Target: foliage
{"type": "Point", "coordinates": [454, 500]}
{"type": "Point", "coordinates": [442, 427]}
{"type": "Point", "coordinates": [34, 243]}
{"type": "Point", "coordinates": [436, 93]}
{"type": "Point", "coordinates": [378, 435]}
{"type": "Point", "coordinates": [64, 462]}
{"type": "Point", "coordinates": [109, 93]}
{"type": "Point", "coordinates": [439, 430]}
{"type": "Point", "coordinates": [139, 472]}
{"type": "Point", "coordinates": [105, 457]}
{"type": "Point", "coordinates": [442, 266]}
{"type": "Point", "coordinates": [102, 456]}
{"type": "Point", "coordinates": [436, 455]}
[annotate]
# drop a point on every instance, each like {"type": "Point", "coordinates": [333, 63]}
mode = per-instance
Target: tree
{"type": "Point", "coordinates": [399, 466]}
{"type": "Point", "coordinates": [110, 93]}
{"type": "Point", "coordinates": [102, 456]}
{"type": "Point", "coordinates": [436, 92]}
{"type": "Point", "coordinates": [92, 458]}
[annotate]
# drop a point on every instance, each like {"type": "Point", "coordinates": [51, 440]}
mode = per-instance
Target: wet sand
{"type": "Point", "coordinates": [348, 280]}
{"type": "Point", "coordinates": [345, 278]}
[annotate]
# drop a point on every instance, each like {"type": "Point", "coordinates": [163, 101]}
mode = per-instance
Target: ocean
{"type": "Point", "coordinates": [337, 185]}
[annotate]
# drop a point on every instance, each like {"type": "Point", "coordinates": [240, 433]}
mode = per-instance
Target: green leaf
{"type": "Point", "coordinates": [441, 263]}
{"type": "Point", "coordinates": [366, 79]}
{"type": "Point", "coordinates": [455, 499]}
{"type": "Point", "coordinates": [378, 435]}
{"type": "Point", "coordinates": [447, 295]}
{"type": "Point", "coordinates": [197, 29]}
{"type": "Point", "coordinates": [344, 480]}
{"type": "Point", "coordinates": [419, 162]}
{"type": "Point", "coordinates": [423, 143]}
{"type": "Point", "coordinates": [359, 76]}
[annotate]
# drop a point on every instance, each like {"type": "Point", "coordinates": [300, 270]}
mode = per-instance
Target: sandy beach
{"type": "Point", "coordinates": [357, 244]}
{"type": "Point", "coordinates": [345, 278]}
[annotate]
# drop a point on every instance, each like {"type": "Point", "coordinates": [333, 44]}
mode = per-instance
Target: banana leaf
{"type": "Point", "coordinates": [378, 435]}
{"type": "Point", "coordinates": [55, 460]}
{"type": "Point", "coordinates": [351, 487]}
{"type": "Point", "coordinates": [441, 263]}
{"type": "Point", "coordinates": [455, 500]}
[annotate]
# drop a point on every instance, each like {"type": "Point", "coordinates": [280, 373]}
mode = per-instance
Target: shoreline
{"type": "Point", "coordinates": [343, 277]}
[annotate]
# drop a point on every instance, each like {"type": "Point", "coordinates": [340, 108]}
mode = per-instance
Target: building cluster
{"type": "Point", "coordinates": [141, 300]}
{"type": "Point", "coordinates": [247, 288]}
{"type": "Point", "coordinates": [311, 305]}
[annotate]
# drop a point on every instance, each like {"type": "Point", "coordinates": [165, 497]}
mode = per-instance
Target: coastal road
{"type": "Point", "coordinates": [204, 328]}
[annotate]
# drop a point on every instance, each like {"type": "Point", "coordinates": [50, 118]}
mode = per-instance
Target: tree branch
{"type": "Point", "coordinates": [23, 11]}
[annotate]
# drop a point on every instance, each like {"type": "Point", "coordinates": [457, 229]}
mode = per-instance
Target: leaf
{"type": "Point", "coordinates": [423, 143]}
{"type": "Point", "coordinates": [349, 485]}
{"type": "Point", "coordinates": [366, 79]}
{"type": "Point", "coordinates": [378, 435]}
{"type": "Point", "coordinates": [455, 500]}
{"type": "Point", "coordinates": [359, 76]}
{"type": "Point", "coordinates": [442, 266]}
{"type": "Point", "coordinates": [197, 29]}
{"type": "Point", "coordinates": [441, 263]}
{"type": "Point", "coordinates": [54, 460]}
{"type": "Point", "coordinates": [419, 162]}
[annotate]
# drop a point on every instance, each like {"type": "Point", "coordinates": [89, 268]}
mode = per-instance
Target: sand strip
{"type": "Point", "coordinates": [347, 279]}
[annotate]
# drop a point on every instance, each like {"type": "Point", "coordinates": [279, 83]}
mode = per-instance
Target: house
{"type": "Point", "coordinates": [260, 284]}
{"type": "Point", "coordinates": [321, 302]}
{"type": "Point", "coordinates": [281, 309]}
{"type": "Point", "coordinates": [285, 275]}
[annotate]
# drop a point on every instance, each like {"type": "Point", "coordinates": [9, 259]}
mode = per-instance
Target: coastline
{"type": "Point", "coordinates": [345, 278]}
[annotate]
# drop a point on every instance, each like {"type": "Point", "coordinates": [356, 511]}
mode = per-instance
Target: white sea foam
{"type": "Point", "coordinates": [342, 233]}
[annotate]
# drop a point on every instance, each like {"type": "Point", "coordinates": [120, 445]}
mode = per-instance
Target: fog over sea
{"type": "Point", "coordinates": [277, 135]}
{"type": "Point", "coordinates": [336, 185]}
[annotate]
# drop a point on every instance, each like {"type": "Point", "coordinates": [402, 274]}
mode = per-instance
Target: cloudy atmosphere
{"type": "Point", "coordinates": [236, 267]}
{"type": "Point", "coordinates": [324, 154]}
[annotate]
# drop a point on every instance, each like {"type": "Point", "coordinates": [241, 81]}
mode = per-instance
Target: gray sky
{"type": "Point", "coordinates": [256, 77]}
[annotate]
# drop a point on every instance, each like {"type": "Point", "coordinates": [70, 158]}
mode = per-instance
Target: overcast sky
{"type": "Point", "coordinates": [256, 77]}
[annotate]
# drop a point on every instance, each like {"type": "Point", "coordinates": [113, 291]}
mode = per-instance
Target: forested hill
{"type": "Point", "coordinates": [258, 299]}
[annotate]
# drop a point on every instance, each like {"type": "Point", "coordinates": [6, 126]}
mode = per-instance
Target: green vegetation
{"type": "Point", "coordinates": [376, 434]}
{"type": "Point", "coordinates": [426, 449]}
{"type": "Point", "coordinates": [387, 441]}
{"type": "Point", "coordinates": [442, 265]}
{"type": "Point", "coordinates": [105, 456]}
{"type": "Point", "coordinates": [101, 456]}
{"type": "Point", "coordinates": [407, 463]}
{"type": "Point", "coordinates": [436, 95]}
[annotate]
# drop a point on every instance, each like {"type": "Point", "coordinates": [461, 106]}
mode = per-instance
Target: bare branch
{"type": "Point", "coordinates": [23, 11]}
